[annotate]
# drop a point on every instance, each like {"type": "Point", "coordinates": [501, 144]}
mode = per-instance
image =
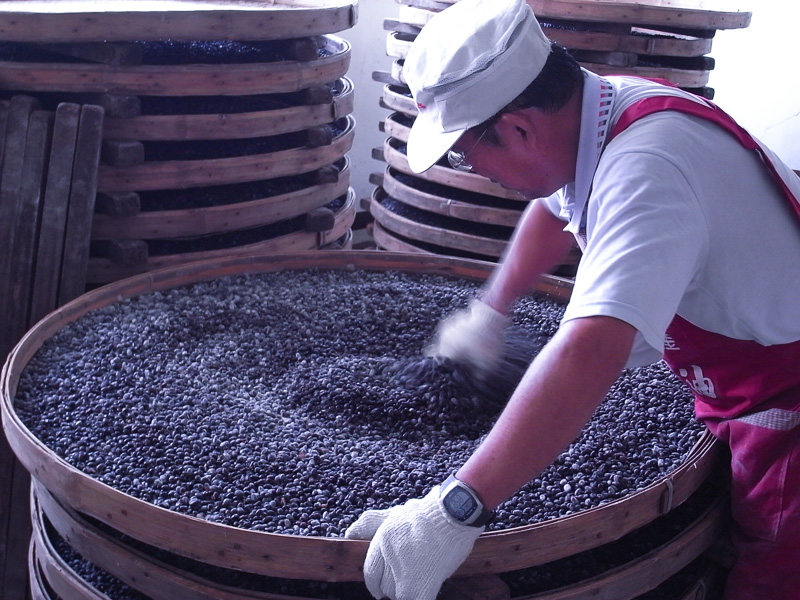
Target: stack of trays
{"type": "Point", "coordinates": [226, 128]}
{"type": "Point", "coordinates": [669, 41]}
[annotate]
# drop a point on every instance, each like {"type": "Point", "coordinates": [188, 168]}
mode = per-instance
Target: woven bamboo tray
{"type": "Point", "coordinates": [330, 559]}
{"type": "Point", "coordinates": [218, 126]}
{"type": "Point", "coordinates": [102, 270]}
{"type": "Point", "coordinates": [179, 80]}
{"type": "Point", "coordinates": [159, 224]}
{"type": "Point", "coordinates": [102, 21]}
{"type": "Point", "coordinates": [163, 581]}
{"type": "Point", "coordinates": [178, 174]}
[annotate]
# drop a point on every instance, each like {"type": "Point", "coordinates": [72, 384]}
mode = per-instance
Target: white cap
{"type": "Point", "coordinates": [467, 63]}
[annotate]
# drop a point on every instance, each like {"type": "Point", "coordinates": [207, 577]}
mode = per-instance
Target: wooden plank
{"type": "Point", "coordinates": [19, 113]}
{"type": "Point", "coordinates": [81, 203]}
{"type": "Point", "coordinates": [124, 20]}
{"type": "Point", "coordinates": [54, 211]}
{"type": "Point", "coordinates": [26, 227]}
{"type": "Point", "coordinates": [3, 122]}
{"type": "Point", "coordinates": [22, 175]}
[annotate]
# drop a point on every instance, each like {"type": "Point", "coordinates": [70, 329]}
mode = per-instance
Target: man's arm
{"type": "Point", "coordinates": [558, 395]}
{"type": "Point", "coordinates": [539, 244]}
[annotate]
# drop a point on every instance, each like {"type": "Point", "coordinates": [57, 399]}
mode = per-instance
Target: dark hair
{"type": "Point", "coordinates": [560, 79]}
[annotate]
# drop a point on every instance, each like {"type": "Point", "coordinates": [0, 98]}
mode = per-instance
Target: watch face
{"type": "Point", "coordinates": [460, 503]}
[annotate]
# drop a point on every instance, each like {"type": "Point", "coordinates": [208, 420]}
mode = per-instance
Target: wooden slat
{"type": "Point", "coordinates": [11, 174]}
{"type": "Point", "coordinates": [53, 224]}
{"type": "Point", "coordinates": [25, 136]}
{"type": "Point", "coordinates": [26, 228]}
{"type": "Point", "coordinates": [100, 20]}
{"type": "Point", "coordinates": [82, 194]}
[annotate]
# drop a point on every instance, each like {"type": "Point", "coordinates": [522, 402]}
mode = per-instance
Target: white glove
{"type": "Point", "coordinates": [475, 336]}
{"type": "Point", "coordinates": [415, 547]}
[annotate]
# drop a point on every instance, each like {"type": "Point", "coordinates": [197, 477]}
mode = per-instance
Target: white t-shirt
{"type": "Point", "coordinates": [682, 219]}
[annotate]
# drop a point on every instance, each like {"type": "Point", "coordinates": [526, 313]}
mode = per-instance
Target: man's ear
{"type": "Point", "coordinates": [517, 128]}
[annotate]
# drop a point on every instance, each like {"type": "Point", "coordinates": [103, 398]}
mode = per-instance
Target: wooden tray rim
{"type": "Point", "coordinates": [637, 13]}
{"type": "Point", "coordinates": [435, 235]}
{"type": "Point", "coordinates": [164, 224]}
{"type": "Point", "coordinates": [220, 126]}
{"type": "Point", "coordinates": [103, 271]}
{"type": "Point", "coordinates": [180, 80]}
{"type": "Point", "coordinates": [447, 206]}
{"type": "Point", "coordinates": [175, 174]}
{"type": "Point", "coordinates": [64, 22]}
{"type": "Point", "coordinates": [447, 176]}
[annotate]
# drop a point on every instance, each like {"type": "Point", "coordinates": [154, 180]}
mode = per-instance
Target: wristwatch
{"type": "Point", "coordinates": [462, 503]}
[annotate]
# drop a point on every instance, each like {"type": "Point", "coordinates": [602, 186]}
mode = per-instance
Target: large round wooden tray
{"type": "Point", "coordinates": [103, 21]}
{"type": "Point", "coordinates": [219, 126]}
{"type": "Point", "coordinates": [666, 13]}
{"type": "Point", "coordinates": [102, 270]}
{"type": "Point", "coordinates": [163, 581]}
{"type": "Point", "coordinates": [398, 44]}
{"type": "Point", "coordinates": [179, 80]}
{"type": "Point", "coordinates": [175, 174]}
{"type": "Point", "coordinates": [432, 234]}
{"type": "Point", "coordinates": [448, 206]}
{"type": "Point", "coordinates": [680, 77]}
{"type": "Point", "coordinates": [445, 175]}
{"type": "Point", "coordinates": [330, 559]}
{"type": "Point", "coordinates": [158, 224]}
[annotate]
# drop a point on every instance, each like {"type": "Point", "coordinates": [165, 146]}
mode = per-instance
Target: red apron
{"type": "Point", "coordinates": [749, 397]}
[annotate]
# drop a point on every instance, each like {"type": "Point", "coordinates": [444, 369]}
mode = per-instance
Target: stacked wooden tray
{"type": "Point", "coordinates": [258, 88]}
{"type": "Point", "coordinates": [113, 530]}
{"type": "Point", "coordinates": [227, 124]}
{"type": "Point", "coordinates": [659, 39]}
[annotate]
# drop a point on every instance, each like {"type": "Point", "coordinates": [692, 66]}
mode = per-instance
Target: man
{"type": "Point", "coordinates": [691, 250]}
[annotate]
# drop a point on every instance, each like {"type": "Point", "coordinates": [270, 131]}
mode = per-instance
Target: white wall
{"type": "Point", "coordinates": [756, 78]}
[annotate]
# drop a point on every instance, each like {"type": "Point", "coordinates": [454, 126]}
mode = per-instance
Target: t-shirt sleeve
{"type": "Point", "coordinates": [646, 238]}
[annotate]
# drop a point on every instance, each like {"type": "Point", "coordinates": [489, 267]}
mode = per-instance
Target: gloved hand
{"type": "Point", "coordinates": [475, 336]}
{"type": "Point", "coordinates": [415, 547]}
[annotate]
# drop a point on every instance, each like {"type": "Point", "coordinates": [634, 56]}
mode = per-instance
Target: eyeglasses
{"type": "Point", "coordinates": [458, 160]}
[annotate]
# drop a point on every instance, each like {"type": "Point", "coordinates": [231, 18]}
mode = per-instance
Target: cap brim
{"type": "Point", "coordinates": [426, 145]}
